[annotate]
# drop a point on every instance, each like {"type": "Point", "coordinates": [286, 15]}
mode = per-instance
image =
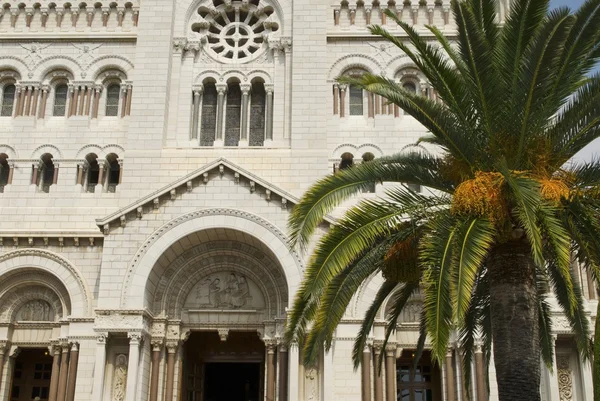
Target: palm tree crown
{"type": "Point", "coordinates": [505, 212]}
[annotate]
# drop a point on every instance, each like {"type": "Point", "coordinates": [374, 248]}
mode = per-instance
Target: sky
{"type": "Point", "coordinates": [593, 150]}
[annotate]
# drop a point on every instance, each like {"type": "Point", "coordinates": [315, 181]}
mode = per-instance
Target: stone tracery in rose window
{"type": "Point", "coordinates": [234, 31]}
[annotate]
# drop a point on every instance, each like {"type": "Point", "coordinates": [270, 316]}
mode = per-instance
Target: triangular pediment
{"type": "Point", "coordinates": [202, 176]}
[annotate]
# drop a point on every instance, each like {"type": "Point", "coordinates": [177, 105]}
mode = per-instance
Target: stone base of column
{"type": "Point", "coordinates": [268, 143]}
{"type": "Point", "coordinates": [243, 143]}
{"type": "Point", "coordinates": [219, 143]}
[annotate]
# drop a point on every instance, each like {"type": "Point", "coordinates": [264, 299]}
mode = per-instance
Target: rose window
{"type": "Point", "coordinates": [235, 32]}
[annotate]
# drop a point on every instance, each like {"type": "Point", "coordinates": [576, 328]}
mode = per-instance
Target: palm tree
{"type": "Point", "coordinates": [505, 212]}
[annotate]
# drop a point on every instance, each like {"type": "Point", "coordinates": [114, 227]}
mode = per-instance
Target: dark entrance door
{"type": "Point", "coordinates": [232, 381]}
{"type": "Point", "coordinates": [31, 375]}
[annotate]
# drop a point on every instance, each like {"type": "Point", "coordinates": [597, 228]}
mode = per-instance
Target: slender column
{"type": "Point", "coordinates": [73, 360]}
{"type": "Point", "coordinates": [353, 15]}
{"type": "Point", "coordinates": [44, 12]}
{"type": "Point", "coordinates": [80, 168]}
{"type": "Point", "coordinates": [154, 377]}
{"type": "Point", "coordinates": [17, 101]}
{"type": "Point", "coordinates": [222, 90]}
{"type": "Point", "coordinates": [450, 380]}
{"type": "Point", "coordinates": [287, 104]}
{"type": "Point", "coordinates": [128, 103]}
{"type": "Point", "coordinates": [59, 17]}
{"type": "Point", "coordinates": [415, 13]}
{"type": "Point", "coordinates": [378, 378]}
{"type": "Point", "coordinates": [171, 355]}
{"type": "Point", "coordinates": [136, 17]}
{"type": "Point", "coordinates": [54, 182]}
{"type": "Point", "coordinates": [135, 340]}
{"type": "Point", "coordinates": [11, 171]}
{"type": "Point", "coordinates": [28, 101]}
{"type": "Point", "coordinates": [88, 100]}
{"type": "Point", "coordinates": [120, 170]}
{"type": "Point", "coordinates": [34, 102]}
{"type": "Point", "coordinates": [74, 97]}
{"type": "Point", "coordinates": [123, 100]}
{"type": "Point", "coordinates": [336, 99]}
{"type": "Point", "coordinates": [244, 123]}
{"type": "Point", "coordinates": [74, 17]}
{"type": "Point", "coordinates": [342, 101]}
{"type": "Point", "coordinates": [553, 375]}
{"type": "Point", "coordinates": [370, 105]}
{"type": "Point", "coordinates": [64, 373]}
{"type": "Point", "coordinates": [480, 374]}
{"type": "Point", "coordinates": [105, 14]}
{"type": "Point", "coordinates": [270, 372]}
{"type": "Point", "coordinates": [101, 173]}
{"type": "Point", "coordinates": [22, 100]}
{"type": "Point", "coordinates": [44, 101]}
{"type": "Point", "coordinates": [366, 375]}
{"type": "Point", "coordinates": [390, 373]}
{"type": "Point", "coordinates": [368, 11]}
{"type": "Point", "coordinates": [81, 101]}
{"type": "Point", "coordinates": [591, 286]}
{"type": "Point", "coordinates": [2, 357]}
{"type": "Point", "coordinates": [90, 15]}
{"type": "Point", "coordinates": [96, 105]}
{"type": "Point", "coordinates": [283, 373]}
{"type": "Point", "coordinates": [34, 174]}
{"type": "Point", "coordinates": [120, 16]}
{"type": "Point", "coordinates": [336, 16]}
{"type": "Point", "coordinates": [196, 116]}
{"type": "Point", "coordinates": [99, 367]}
{"type": "Point", "coordinates": [53, 393]}
{"type": "Point", "coordinates": [269, 128]}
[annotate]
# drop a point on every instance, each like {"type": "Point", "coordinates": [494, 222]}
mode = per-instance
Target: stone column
{"type": "Point", "coordinates": [120, 16]}
{"type": "Point", "coordinates": [11, 171]}
{"type": "Point", "coordinates": [101, 167]}
{"type": "Point", "coordinates": [171, 355]}
{"type": "Point", "coordinates": [73, 105]}
{"type": "Point", "coordinates": [34, 101]}
{"type": "Point", "coordinates": [221, 90]}
{"type": "Point", "coordinates": [55, 177]}
{"type": "Point", "coordinates": [64, 373]}
{"type": "Point", "coordinates": [370, 105]}
{"type": "Point", "coordinates": [591, 286]}
{"type": "Point", "coordinates": [480, 374]}
{"type": "Point", "coordinates": [99, 367]}
{"type": "Point", "coordinates": [81, 100]}
{"type": "Point", "coordinates": [128, 104]}
{"type": "Point", "coordinates": [21, 102]}
{"type": "Point", "coordinates": [105, 15]}
{"type": "Point", "coordinates": [198, 91]}
{"type": "Point", "coordinates": [336, 16]}
{"type": "Point", "coordinates": [366, 375]}
{"type": "Point", "coordinates": [28, 101]}
{"type": "Point", "coordinates": [287, 104]}
{"type": "Point", "coordinates": [244, 123]}
{"type": "Point", "coordinates": [450, 380]}
{"type": "Point", "coordinates": [54, 378]}
{"type": "Point", "coordinates": [59, 16]}
{"type": "Point", "coordinates": [80, 169]}
{"type": "Point", "coordinates": [154, 376]}
{"type": "Point", "coordinates": [123, 100]}
{"type": "Point", "coordinates": [120, 161]}
{"type": "Point", "coordinates": [283, 373]}
{"type": "Point", "coordinates": [45, 90]}
{"type": "Point", "coordinates": [553, 375]}
{"type": "Point", "coordinates": [343, 101]}
{"type": "Point", "coordinates": [17, 101]}
{"type": "Point", "coordinates": [336, 99]}
{"type": "Point", "coordinates": [270, 372]}
{"type": "Point", "coordinates": [97, 91]}
{"type": "Point", "coordinates": [73, 361]}
{"type": "Point", "coordinates": [44, 11]}
{"type": "Point", "coordinates": [135, 340]}
{"type": "Point", "coordinates": [2, 357]}
{"type": "Point", "coordinates": [269, 126]}
{"type": "Point", "coordinates": [390, 373]}
{"type": "Point", "coordinates": [377, 375]}
{"type": "Point", "coordinates": [34, 174]}
{"type": "Point", "coordinates": [88, 100]}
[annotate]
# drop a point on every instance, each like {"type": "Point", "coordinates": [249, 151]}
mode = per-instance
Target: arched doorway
{"type": "Point", "coordinates": [220, 295]}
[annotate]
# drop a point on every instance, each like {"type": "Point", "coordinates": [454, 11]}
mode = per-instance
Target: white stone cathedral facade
{"type": "Point", "coordinates": [150, 154]}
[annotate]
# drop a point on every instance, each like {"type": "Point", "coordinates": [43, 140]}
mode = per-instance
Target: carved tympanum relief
{"type": "Point", "coordinates": [225, 290]}
{"type": "Point", "coordinates": [120, 378]}
{"type": "Point", "coordinates": [565, 378]}
{"type": "Point", "coordinates": [36, 311]}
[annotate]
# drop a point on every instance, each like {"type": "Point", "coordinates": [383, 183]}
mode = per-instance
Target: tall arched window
{"type": "Point", "coordinates": [233, 115]}
{"type": "Point", "coordinates": [112, 100]}
{"type": "Point", "coordinates": [93, 172]}
{"type": "Point", "coordinates": [356, 101]}
{"type": "Point", "coordinates": [258, 103]}
{"type": "Point", "coordinates": [46, 174]}
{"type": "Point", "coordinates": [114, 172]}
{"type": "Point", "coordinates": [367, 157]}
{"type": "Point", "coordinates": [8, 100]}
{"type": "Point", "coordinates": [60, 100]}
{"type": "Point", "coordinates": [4, 171]}
{"type": "Point", "coordinates": [347, 161]}
{"type": "Point", "coordinates": [208, 123]}
{"type": "Point", "coordinates": [410, 87]}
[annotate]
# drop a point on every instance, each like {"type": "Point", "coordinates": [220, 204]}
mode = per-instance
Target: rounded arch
{"type": "Point", "coordinates": [87, 149]}
{"type": "Point", "coordinates": [17, 297]}
{"type": "Point", "coordinates": [138, 273]}
{"type": "Point", "coordinates": [362, 61]}
{"type": "Point", "coordinates": [207, 76]}
{"type": "Point", "coordinates": [345, 148]}
{"type": "Point", "coordinates": [9, 151]}
{"type": "Point", "coordinates": [113, 148]}
{"type": "Point", "coordinates": [365, 295]}
{"type": "Point", "coordinates": [259, 74]}
{"type": "Point", "coordinates": [11, 67]}
{"type": "Point", "coordinates": [41, 150]}
{"type": "Point", "coordinates": [63, 270]}
{"type": "Point", "coordinates": [370, 148]}
{"type": "Point", "coordinates": [58, 74]}
{"type": "Point", "coordinates": [52, 63]}
{"type": "Point", "coordinates": [109, 62]}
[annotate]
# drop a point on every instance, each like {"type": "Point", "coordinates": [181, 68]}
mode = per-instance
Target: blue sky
{"type": "Point", "coordinates": [592, 151]}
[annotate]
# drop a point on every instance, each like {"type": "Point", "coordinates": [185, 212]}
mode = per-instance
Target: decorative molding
{"type": "Point", "coordinates": [564, 377]}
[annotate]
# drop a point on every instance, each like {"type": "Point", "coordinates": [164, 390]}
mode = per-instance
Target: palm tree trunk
{"type": "Point", "coordinates": [515, 324]}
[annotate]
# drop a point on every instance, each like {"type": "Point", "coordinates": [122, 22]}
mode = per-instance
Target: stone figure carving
{"type": "Point", "coordinates": [311, 384]}
{"type": "Point", "coordinates": [36, 311]}
{"type": "Point", "coordinates": [203, 292]}
{"type": "Point", "coordinates": [226, 290]}
{"type": "Point", "coordinates": [120, 378]}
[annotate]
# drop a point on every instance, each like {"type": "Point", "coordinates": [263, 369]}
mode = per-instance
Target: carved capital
{"type": "Point", "coordinates": [172, 346]}
{"type": "Point", "coordinates": [101, 338]}
{"type": "Point", "coordinates": [221, 89]}
{"type": "Point", "coordinates": [134, 338]}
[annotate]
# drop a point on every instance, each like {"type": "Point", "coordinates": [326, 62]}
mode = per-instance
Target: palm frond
{"type": "Point", "coordinates": [547, 342]}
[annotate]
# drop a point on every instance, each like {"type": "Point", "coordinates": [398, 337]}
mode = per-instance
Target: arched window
{"type": "Point", "coordinates": [60, 100]}
{"type": "Point", "coordinates": [347, 161]}
{"type": "Point", "coordinates": [258, 103]}
{"type": "Point", "coordinates": [233, 115]}
{"type": "Point", "coordinates": [356, 101]}
{"type": "Point", "coordinates": [114, 172]}
{"type": "Point", "coordinates": [112, 100]}
{"type": "Point", "coordinates": [367, 157]}
{"type": "Point", "coordinates": [208, 123]}
{"type": "Point", "coordinates": [46, 175]}
{"type": "Point", "coordinates": [4, 171]}
{"type": "Point", "coordinates": [8, 100]}
{"type": "Point", "coordinates": [410, 87]}
{"type": "Point", "coordinates": [92, 172]}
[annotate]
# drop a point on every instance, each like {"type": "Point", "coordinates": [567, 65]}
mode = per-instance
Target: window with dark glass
{"type": "Point", "coordinates": [112, 100]}
{"type": "Point", "coordinates": [258, 103]}
{"type": "Point", "coordinates": [233, 115]}
{"type": "Point", "coordinates": [4, 171]}
{"type": "Point", "coordinates": [93, 172]}
{"type": "Point", "coordinates": [347, 161]}
{"type": "Point", "coordinates": [114, 172]}
{"type": "Point", "coordinates": [410, 87]}
{"type": "Point", "coordinates": [356, 101]}
{"type": "Point", "coordinates": [60, 100]}
{"type": "Point", "coordinates": [417, 382]}
{"type": "Point", "coordinates": [46, 173]}
{"type": "Point", "coordinates": [208, 123]}
{"type": "Point", "coordinates": [8, 100]}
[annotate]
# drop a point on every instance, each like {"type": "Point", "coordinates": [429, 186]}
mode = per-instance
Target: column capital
{"type": "Point", "coordinates": [221, 88]}
{"type": "Point", "coordinates": [101, 338]}
{"type": "Point", "coordinates": [198, 89]}
{"type": "Point", "coordinates": [157, 345]}
{"type": "Point", "coordinates": [75, 347]}
{"type": "Point", "coordinates": [172, 346]}
{"type": "Point", "coordinates": [98, 88]}
{"type": "Point", "coordinates": [449, 352]}
{"type": "Point", "coordinates": [135, 338]}
{"type": "Point", "coordinates": [269, 88]}
{"type": "Point", "coordinates": [343, 87]}
{"type": "Point", "coordinates": [245, 88]}
{"type": "Point", "coordinates": [391, 349]}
